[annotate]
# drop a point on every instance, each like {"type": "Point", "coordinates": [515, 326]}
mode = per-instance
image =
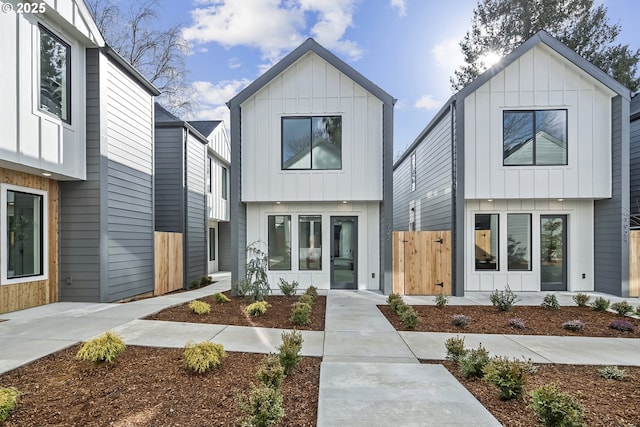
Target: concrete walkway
{"type": "Point", "coordinates": [370, 374]}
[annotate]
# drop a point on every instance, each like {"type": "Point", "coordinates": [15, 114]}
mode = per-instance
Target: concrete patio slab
{"type": "Point", "coordinates": [377, 344]}
{"type": "Point", "coordinates": [18, 352]}
{"type": "Point", "coordinates": [266, 340]}
{"type": "Point", "coordinates": [62, 328]}
{"type": "Point", "coordinates": [156, 333]}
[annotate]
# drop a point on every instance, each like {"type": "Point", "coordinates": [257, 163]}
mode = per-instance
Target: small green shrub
{"type": "Point", "coordinates": [271, 371]}
{"type": "Point", "coordinates": [220, 298]}
{"type": "Point", "coordinates": [105, 348]}
{"type": "Point", "coordinates": [307, 299]}
{"type": "Point", "coordinates": [611, 373]}
{"type": "Point", "coordinates": [194, 284]}
{"type": "Point", "coordinates": [262, 408]}
{"type": "Point", "coordinates": [509, 376]}
{"type": "Point", "coordinates": [460, 320]}
{"type": "Point", "coordinates": [550, 302]}
{"type": "Point", "coordinates": [203, 356]}
{"type": "Point", "coordinates": [409, 317]}
{"type": "Point", "coordinates": [289, 350]}
{"type": "Point", "coordinates": [257, 308]}
{"type": "Point", "coordinates": [240, 288]}
{"type": "Point", "coordinates": [200, 307]}
{"type": "Point", "coordinates": [442, 300]}
{"type": "Point", "coordinates": [473, 362]}
{"type": "Point", "coordinates": [555, 408]}
{"type": "Point", "coordinates": [205, 280]}
{"type": "Point", "coordinates": [622, 308]}
{"type": "Point", "coordinates": [581, 299]}
{"type": "Point", "coordinates": [288, 288]}
{"type": "Point", "coordinates": [573, 325]}
{"type": "Point", "coordinates": [300, 313]}
{"type": "Point", "coordinates": [8, 400]}
{"type": "Point", "coordinates": [455, 348]}
{"type": "Point", "coordinates": [395, 302]}
{"type": "Point", "coordinates": [503, 300]}
{"type": "Point", "coordinates": [313, 291]}
{"type": "Point", "coordinates": [600, 304]}
{"type": "Point", "coordinates": [638, 310]}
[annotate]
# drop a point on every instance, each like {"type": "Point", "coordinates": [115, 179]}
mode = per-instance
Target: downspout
{"type": "Point", "coordinates": [454, 198]}
{"type": "Point", "coordinates": [185, 217]}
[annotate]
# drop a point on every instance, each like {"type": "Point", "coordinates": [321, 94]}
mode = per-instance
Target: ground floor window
{"type": "Point", "coordinates": [279, 236]}
{"type": "Point", "coordinates": [212, 244]}
{"type": "Point", "coordinates": [486, 241]}
{"type": "Point", "coordinates": [519, 242]}
{"type": "Point", "coordinates": [310, 242]}
{"type": "Point", "coordinates": [23, 233]}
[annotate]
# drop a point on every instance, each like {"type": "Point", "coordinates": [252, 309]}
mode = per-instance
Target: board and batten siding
{"type": "Point", "coordinates": [311, 86]}
{"type": "Point", "coordinates": [217, 207]}
{"type": "Point", "coordinates": [169, 179]}
{"type": "Point", "coordinates": [432, 198]}
{"type": "Point", "coordinates": [195, 211]}
{"type": "Point", "coordinates": [539, 79]}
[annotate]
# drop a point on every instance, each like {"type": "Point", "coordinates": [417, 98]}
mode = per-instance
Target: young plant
{"type": "Point", "coordinates": [313, 291]}
{"type": "Point", "coordinates": [573, 325]}
{"type": "Point", "coordinates": [503, 300]}
{"type": "Point", "coordinates": [8, 400]}
{"type": "Point", "coordinates": [200, 307]}
{"type": "Point", "coordinates": [205, 280]}
{"type": "Point", "coordinates": [257, 308]}
{"type": "Point", "coordinates": [409, 317]}
{"type": "Point", "coordinates": [442, 300]}
{"type": "Point", "coordinates": [582, 300]}
{"type": "Point", "coordinates": [194, 284]}
{"type": "Point", "coordinates": [555, 408]}
{"type": "Point", "coordinates": [517, 323]}
{"type": "Point", "coordinates": [262, 408]}
{"type": "Point", "coordinates": [611, 373]}
{"type": "Point", "coordinates": [395, 302]}
{"type": "Point", "coordinates": [509, 376]}
{"type": "Point", "coordinates": [600, 304]}
{"type": "Point", "coordinates": [220, 298]}
{"type": "Point", "coordinates": [473, 362]}
{"type": "Point", "coordinates": [622, 308]}
{"type": "Point", "coordinates": [550, 302]}
{"type": "Point", "coordinates": [271, 371]}
{"type": "Point", "coordinates": [455, 348]}
{"type": "Point", "coordinates": [288, 289]}
{"type": "Point", "coordinates": [203, 356]}
{"type": "Point", "coordinates": [103, 349]}
{"type": "Point", "coordinates": [460, 320]}
{"type": "Point", "coordinates": [307, 299]}
{"type": "Point", "coordinates": [256, 273]}
{"type": "Point", "coordinates": [300, 314]}
{"type": "Point", "coordinates": [622, 325]}
{"type": "Point", "coordinates": [289, 350]}
{"type": "Point", "coordinates": [240, 288]}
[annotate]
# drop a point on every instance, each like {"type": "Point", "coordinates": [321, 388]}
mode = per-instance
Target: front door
{"type": "Point", "coordinates": [344, 252]}
{"type": "Point", "coordinates": [553, 252]}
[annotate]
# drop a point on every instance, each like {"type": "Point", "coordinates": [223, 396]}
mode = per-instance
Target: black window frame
{"type": "Point", "coordinates": [56, 38]}
{"type": "Point", "coordinates": [530, 243]}
{"type": "Point", "coordinates": [310, 118]}
{"type": "Point", "coordinates": [534, 127]}
{"type": "Point", "coordinates": [41, 236]}
{"type": "Point", "coordinates": [494, 259]}
{"type": "Point", "coordinates": [274, 267]}
{"type": "Point", "coordinates": [223, 183]}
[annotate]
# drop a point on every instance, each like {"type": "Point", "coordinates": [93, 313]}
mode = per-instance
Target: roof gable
{"type": "Point", "coordinates": [310, 45]}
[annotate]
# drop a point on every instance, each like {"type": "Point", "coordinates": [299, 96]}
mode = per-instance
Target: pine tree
{"type": "Point", "coordinates": [499, 26]}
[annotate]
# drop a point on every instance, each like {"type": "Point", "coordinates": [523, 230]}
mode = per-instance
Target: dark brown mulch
{"type": "Point", "coordinates": [149, 387]}
{"type": "Point", "coordinates": [607, 403]}
{"type": "Point", "coordinates": [538, 320]}
{"type": "Point", "coordinates": [234, 313]}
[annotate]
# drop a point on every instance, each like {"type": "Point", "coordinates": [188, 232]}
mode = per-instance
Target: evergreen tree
{"type": "Point", "coordinates": [499, 26]}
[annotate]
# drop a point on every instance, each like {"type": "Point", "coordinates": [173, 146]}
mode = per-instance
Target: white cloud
{"type": "Point", "coordinates": [234, 63]}
{"type": "Point", "coordinates": [427, 102]}
{"type": "Point", "coordinates": [274, 26]}
{"type": "Point", "coordinates": [211, 98]}
{"type": "Point", "coordinates": [401, 6]}
{"type": "Point", "coordinates": [447, 54]}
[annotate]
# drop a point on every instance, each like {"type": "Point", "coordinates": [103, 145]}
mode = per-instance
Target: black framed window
{"type": "Point", "coordinates": [212, 244]}
{"type": "Point", "coordinates": [223, 180]}
{"type": "Point", "coordinates": [413, 171]}
{"type": "Point", "coordinates": [209, 174]}
{"type": "Point", "coordinates": [25, 234]}
{"type": "Point", "coordinates": [55, 75]}
{"type": "Point", "coordinates": [487, 246]}
{"type": "Point", "coordinates": [519, 242]}
{"type": "Point", "coordinates": [312, 143]}
{"type": "Point", "coordinates": [279, 235]}
{"type": "Point", "coordinates": [534, 137]}
{"type": "Point", "coordinates": [310, 242]}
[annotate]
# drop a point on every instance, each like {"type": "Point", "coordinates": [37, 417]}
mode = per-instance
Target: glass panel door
{"type": "Point", "coordinates": [553, 252]}
{"type": "Point", "coordinates": [344, 252]}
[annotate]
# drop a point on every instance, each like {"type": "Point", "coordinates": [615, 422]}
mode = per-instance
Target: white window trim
{"type": "Point", "coordinates": [3, 235]}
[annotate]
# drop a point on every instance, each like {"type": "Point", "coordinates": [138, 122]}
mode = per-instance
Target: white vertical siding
{"type": "Point", "coordinates": [309, 87]}
{"type": "Point", "coordinates": [220, 153]}
{"type": "Point", "coordinates": [539, 79]}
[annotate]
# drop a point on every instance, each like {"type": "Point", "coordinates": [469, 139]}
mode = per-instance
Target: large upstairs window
{"type": "Point", "coordinates": [312, 143]}
{"type": "Point", "coordinates": [535, 137]}
{"type": "Point", "coordinates": [55, 75]}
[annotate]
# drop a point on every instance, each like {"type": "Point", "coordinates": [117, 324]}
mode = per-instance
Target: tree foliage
{"type": "Point", "coordinates": [500, 26]}
{"type": "Point", "coordinates": [135, 32]}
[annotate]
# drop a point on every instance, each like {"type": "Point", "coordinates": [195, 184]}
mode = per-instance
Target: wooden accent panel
{"type": "Point", "coordinates": [31, 294]}
{"type": "Point", "coordinates": [422, 262]}
{"type": "Point", "coordinates": [168, 262]}
{"type": "Point", "coordinates": [634, 263]}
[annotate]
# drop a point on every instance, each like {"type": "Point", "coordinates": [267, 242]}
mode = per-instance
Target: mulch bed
{"type": "Point", "coordinates": [234, 313]}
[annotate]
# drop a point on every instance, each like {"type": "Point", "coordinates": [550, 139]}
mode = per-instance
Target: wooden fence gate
{"type": "Point", "coordinates": [422, 262]}
{"type": "Point", "coordinates": [634, 263]}
{"type": "Point", "coordinates": [168, 262]}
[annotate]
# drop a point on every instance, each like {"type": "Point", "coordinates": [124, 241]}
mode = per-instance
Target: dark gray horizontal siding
{"type": "Point", "coordinates": [196, 210]}
{"type": "Point", "coordinates": [224, 246]}
{"type": "Point", "coordinates": [634, 167]}
{"type": "Point", "coordinates": [169, 201]}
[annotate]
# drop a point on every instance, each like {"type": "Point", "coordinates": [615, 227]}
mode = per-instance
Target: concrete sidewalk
{"type": "Point", "coordinates": [370, 374]}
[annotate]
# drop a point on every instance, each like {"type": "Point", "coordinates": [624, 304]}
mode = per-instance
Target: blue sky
{"type": "Point", "coordinates": [407, 47]}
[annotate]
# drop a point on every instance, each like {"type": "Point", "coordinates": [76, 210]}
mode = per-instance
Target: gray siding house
{"type": "Point", "coordinates": [634, 162]}
{"type": "Point", "coordinates": [180, 185]}
{"type": "Point", "coordinates": [528, 168]}
{"type": "Point", "coordinates": [106, 220]}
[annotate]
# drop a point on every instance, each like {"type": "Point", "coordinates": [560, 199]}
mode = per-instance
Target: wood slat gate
{"type": "Point", "coordinates": [422, 262]}
{"type": "Point", "coordinates": [168, 262]}
{"type": "Point", "coordinates": [634, 263]}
